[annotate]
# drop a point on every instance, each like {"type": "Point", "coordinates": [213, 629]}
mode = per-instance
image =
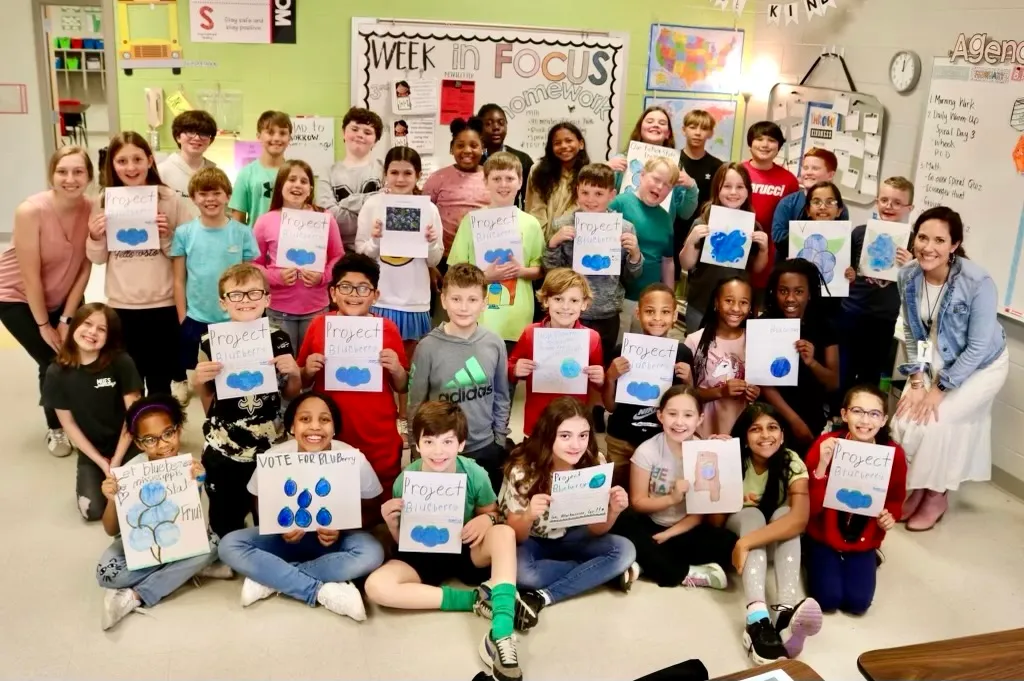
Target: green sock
{"type": "Point", "coordinates": [459, 600]}
{"type": "Point", "coordinates": [503, 609]}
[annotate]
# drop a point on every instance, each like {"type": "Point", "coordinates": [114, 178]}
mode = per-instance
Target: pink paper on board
{"type": "Point", "coordinates": [246, 153]}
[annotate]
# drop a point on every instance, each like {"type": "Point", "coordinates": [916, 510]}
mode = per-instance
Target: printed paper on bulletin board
{"type": "Point", "coordinates": [458, 100]}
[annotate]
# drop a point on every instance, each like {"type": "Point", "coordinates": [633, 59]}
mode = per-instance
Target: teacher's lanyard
{"type": "Point", "coordinates": [932, 308]}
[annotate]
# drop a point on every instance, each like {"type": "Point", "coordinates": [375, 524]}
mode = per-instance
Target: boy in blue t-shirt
{"type": "Point", "coordinates": [201, 250]}
{"type": "Point", "coordinates": [254, 185]}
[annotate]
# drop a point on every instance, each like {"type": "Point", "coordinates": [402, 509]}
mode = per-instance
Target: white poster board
{"type": "Point", "coordinates": [826, 243]}
{"type": "Point", "coordinates": [597, 248]}
{"type": "Point", "coordinates": [772, 358]}
{"type": "Point", "coordinates": [242, 21]}
{"type": "Point", "coordinates": [729, 237]}
{"type": "Point", "coordinates": [562, 357]}
{"type": "Point", "coordinates": [433, 510]}
{"type": "Point", "coordinates": [406, 220]}
{"type": "Point", "coordinates": [637, 157]}
{"type": "Point", "coordinates": [308, 491]}
{"type": "Point", "coordinates": [302, 240]}
{"type": "Point", "coordinates": [313, 142]}
{"type": "Point", "coordinates": [352, 347]}
{"type": "Point", "coordinates": [580, 496]}
{"type": "Point", "coordinates": [496, 236]}
{"type": "Point", "coordinates": [245, 351]}
{"type": "Point", "coordinates": [878, 253]}
{"type": "Point", "coordinates": [414, 96]}
{"type": "Point", "coordinates": [715, 474]}
{"type": "Point", "coordinates": [858, 477]}
{"type": "Point", "coordinates": [652, 366]}
{"type": "Point", "coordinates": [416, 132]}
{"type": "Point", "coordinates": [131, 218]}
{"type": "Point", "coordinates": [159, 512]}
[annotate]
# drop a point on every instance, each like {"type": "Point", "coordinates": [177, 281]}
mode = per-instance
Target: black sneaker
{"type": "Point", "coordinates": [763, 643]}
{"type": "Point", "coordinates": [528, 606]}
{"type": "Point", "coordinates": [879, 558]}
{"type": "Point", "coordinates": [795, 624]}
{"type": "Point", "coordinates": [501, 657]}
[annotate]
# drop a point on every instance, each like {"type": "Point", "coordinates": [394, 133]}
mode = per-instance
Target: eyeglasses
{"type": "Point", "coordinates": [202, 136]}
{"type": "Point", "coordinates": [895, 204]}
{"type": "Point", "coordinates": [239, 296]}
{"type": "Point", "coordinates": [346, 289]}
{"type": "Point", "coordinates": [874, 414]}
{"type": "Point", "coordinates": [147, 441]}
{"type": "Point", "coordinates": [818, 203]}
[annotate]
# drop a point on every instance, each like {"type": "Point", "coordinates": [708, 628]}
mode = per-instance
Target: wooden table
{"type": "Point", "coordinates": [797, 670]}
{"type": "Point", "coordinates": [998, 656]}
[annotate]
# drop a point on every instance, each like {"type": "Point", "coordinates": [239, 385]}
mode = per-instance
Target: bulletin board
{"type": "Point", "coordinates": [849, 124]}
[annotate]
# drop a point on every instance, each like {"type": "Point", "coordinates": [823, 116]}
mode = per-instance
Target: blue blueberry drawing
{"type": "Point", "coordinates": [853, 498]}
{"type": "Point", "coordinates": [324, 517]}
{"type": "Point", "coordinates": [245, 380]}
{"type": "Point", "coordinates": [152, 520]}
{"type": "Point", "coordinates": [305, 499]}
{"type": "Point", "coordinates": [429, 535]}
{"type": "Point", "coordinates": [570, 368]}
{"type": "Point", "coordinates": [642, 390]}
{"type": "Point", "coordinates": [780, 367]}
{"type": "Point", "coordinates": [596, 262]}
{"type": "Point", "coordinates": [323, 487]}
{"type": "Point", "coordinates": [816, 242]}
{"type": "Point", "coordinates": [498, 256]}
{"type": "Point", "coordinates": [290, 488]}
{"type": "Point", "coordinates": [303, 518]}
{"type": "Point", "coordinates": [133, 236]}
{"type": "Point", "coordinates": [597, 481]}
{"type": "Point", "coordinates": [728, 246]}
{"type": "Point", "coordinates": [635, 168]}
{"type": "Point", "coordinates": [816, 250]}
{"type": "Point", "coordinates": [882, 252]}
{"type": "Point", "coordinates": [300, 256]}
{"type": "Point", "coordinates": [707, 471]}
{"type": "Point", "coordinates": [285, 518]}
{"type": "Point", "coordinates": [353, 375]}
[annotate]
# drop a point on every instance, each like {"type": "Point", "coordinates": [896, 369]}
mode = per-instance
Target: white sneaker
{"type": "Point", "coordinates": [116, 604]}
{"type": "Point", "coordinates": [342, 598]}
{"type": "Point", "coordinates": [181, 391]}
{"type": "Point", "coordinates": [253, 591]}
{"type": "Point", "coordinates": [217, 571]}
{"type": "Point", "coordinates": [57, 442]}
{"type": "Point", "coordinates": [709, 575]}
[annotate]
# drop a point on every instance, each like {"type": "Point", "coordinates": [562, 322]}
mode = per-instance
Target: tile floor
{"type": "Point", "coordinates": [962, 578]}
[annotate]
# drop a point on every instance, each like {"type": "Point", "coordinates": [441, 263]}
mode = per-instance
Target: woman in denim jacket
{"type": "Point", "coordinates": [957, 362]}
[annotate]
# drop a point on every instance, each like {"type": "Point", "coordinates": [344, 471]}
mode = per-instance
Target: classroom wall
{"type": "Point", "coordinates": [870, 31]}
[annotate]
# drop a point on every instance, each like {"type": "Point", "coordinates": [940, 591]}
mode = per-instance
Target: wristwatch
{"type": "Point", "coordinates": [65, 319]}
{"type": "Point", "coordinates": [941, 386]}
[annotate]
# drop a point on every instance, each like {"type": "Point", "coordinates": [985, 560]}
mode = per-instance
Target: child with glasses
{"type": "Point", "coordinates": [371, 423]}
{"type": "Point", "coordinates": [238, 429]}
{"type": "Point", "coordinates": [841, 546]}
{"type": "Point", "coordinates": [193, 132]}
{"type": "Point", "coordinates": [818, 165]}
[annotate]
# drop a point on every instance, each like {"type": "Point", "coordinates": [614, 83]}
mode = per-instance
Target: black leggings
{"type": "Point", "coordinates": [668, 563]}
{"type": "Point", "coordinates": [152, 340]}
{"type": "Point", "coordinates": [18, 319]}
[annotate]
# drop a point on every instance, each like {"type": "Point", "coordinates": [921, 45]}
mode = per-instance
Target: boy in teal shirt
{"type": "Point", "coordinates": [255, 182]}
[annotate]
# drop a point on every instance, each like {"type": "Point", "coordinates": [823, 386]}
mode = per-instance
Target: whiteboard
{"type": "Point", "coordinates": [539, 76]}
{"type": "Point", "coordinates": [313, 142]}
{"type": "Point", "coordinates": [969, 135]}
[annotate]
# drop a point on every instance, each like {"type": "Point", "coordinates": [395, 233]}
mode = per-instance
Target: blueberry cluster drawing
{"type": "Point", "coordinates": [302, 517]}
{"type": "Point", "coordinates": [816, 250]}
{"type": "Point", "coordinates": [570, 368]}
{"type": "Point", "coordinates": [300, 256]}
{"type": "Point", "coordinates": [780, 367]}
{"type": "Point", "coordinates": [353, 375]}
{"type": "Point", "coordinates": [728, 246]}
{"type": "Point", "coordinates": [429, 535]}
{"type": "Point", "coordinates": [498, 256]}
{"type": "Point", "coordinates": [133, 236]}
{"type": "Point", "coordinates": [853, 498]}
{"type": "Point", "coordinates": [593, 261]}
{"type": "Point", "coordinates": [402, 219]}
{"type": "Point", "coordinates": [643, 390]}
{"type": "Point", "coordinates": [152, 520]}
{"type": "Point", "coordinates": [881, 253]}
{"type": "Point", "coordinates": [597, 482]}
{"type": "Point", "coordinates": [635, 168]}
{"type": "Point", "coordinates": [245, 381]}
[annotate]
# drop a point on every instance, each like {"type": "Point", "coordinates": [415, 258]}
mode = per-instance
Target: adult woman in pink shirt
{"type": "Point", "coordinates": [297, 295]}
{"type": "Point", "coordinates": [44, 273]}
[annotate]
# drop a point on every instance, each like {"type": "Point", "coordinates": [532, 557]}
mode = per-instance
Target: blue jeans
{"type": "Point", "coordinates": [572, 564]}
{"type": "Point", "coordinates": [295, 325]}
{"type": "Point", "coordinates": [152, 584]}
{"type": "Point", "coordinates": [840, 581]}
{"type": "Point", "coordinates": [299, 570]}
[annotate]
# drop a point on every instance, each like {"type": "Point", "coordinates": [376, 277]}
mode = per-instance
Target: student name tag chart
{"type": "Point", "coordinates": [308, 491]}
{"type": "Point", "coordinates": [652, 365]}
{"type": "Point", "coordinates": [878, 254]}
{"type": "Point", "coordinates": [417, 96]}
{"type": "Point", "coordinates": [597, 248]}
{"type": "Point", "coordinates": [562, 356]}
{"type": "Point", "coordinates": [405, 226]}
{"type": "Point", "coordinates": [858, 477]}
{"type": "Point", "coordinates": [352, 346]}
{"type": "Point", "coordinates": [826, 243]}
{"type": "Point", "coordinates": [302, 241]}
{"type": "Point", "coordinates": [131, 218]}
{"type": "Point", "coordinates": [729, 236]}
{"type": "Point", "coordinates": [159, 512]}
{"type": "Point", "coordinates": [245, 351]}
{"type": "Point", "coordinates": [715, 474]}
{"type": "Point", "coordinates": [637, 156]}
{"type": "Point", "coordinates": [433, 505]}
{"type": "Point", "coordinates": [772, 358]}
{"type": "Point", "coordinates": [580, 497]}
{"type": "Point", "coordinates": [496, 236]}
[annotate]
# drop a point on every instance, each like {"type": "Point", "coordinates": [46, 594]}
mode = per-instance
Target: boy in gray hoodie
{"type": "Point", "coordinates": [462, 362]}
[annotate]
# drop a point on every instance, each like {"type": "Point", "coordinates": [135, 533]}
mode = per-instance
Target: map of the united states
{"type": "Point", "coordinates": [686, 59]}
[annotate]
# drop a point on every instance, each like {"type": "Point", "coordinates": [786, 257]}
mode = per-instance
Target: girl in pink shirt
{"type": "Point", "coordinates": [297, 295]}
{"type": "Point", "coordinates": [459, 189]}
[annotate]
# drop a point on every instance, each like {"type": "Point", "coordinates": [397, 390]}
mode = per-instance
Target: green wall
{"type": "Point", "coordinates": [313, 76]}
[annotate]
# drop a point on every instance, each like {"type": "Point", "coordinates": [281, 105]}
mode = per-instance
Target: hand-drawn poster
{"type": "Point", "coordinates": [496, 236]}
{"type": "Point", "coordinates": [562, 357]}
{"type": "Point", "coordinates": [433, 511]}
{"type": "Point", "coordinates": [772, 358]}
{"type": "Point", "coordinates": [729, 237]}
{"type": "Point", "coordinates": [308, 491]}
{"type": "Point", "coordinates": [405, 226]}
{"type": "Point", "coordinates": [302, 241]}
{"type": "Point", "coordinates": [878, 254]}
{"type": "Point", "coordinates": [131, 218]}
{"type": "Point", "coordinates": [652, 366]}
{"type": "Point", "coordinates": [245, 351]}
{"type": "Point", "coordinates": [715, 474]}
{"type": "Point", "coordinates": [858, 477]}
{"type": "Point", "coordinates": [580, 496]}
{"type": "Point", "coordinates": [597, 248]}
{"type": "Point", "coordinates": [826, 244]}
{"type": "Point", "coordinates": [352, 347]}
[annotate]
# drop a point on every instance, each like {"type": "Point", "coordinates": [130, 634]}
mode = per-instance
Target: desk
{"type": "Point", "coordinates": [798, 671]}
{"type": "Point", "coordinates": [986, 657]}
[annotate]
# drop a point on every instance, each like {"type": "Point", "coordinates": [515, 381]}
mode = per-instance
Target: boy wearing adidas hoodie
{"type": "Point", "coordinates": [464, 363]}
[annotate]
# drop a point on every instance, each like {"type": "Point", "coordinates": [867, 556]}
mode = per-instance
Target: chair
{"type": "Point", "coordinates": [73, 124]}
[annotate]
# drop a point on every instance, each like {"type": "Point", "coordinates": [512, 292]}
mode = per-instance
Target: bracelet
{"type": "Point", "coordinates": [43, 324]}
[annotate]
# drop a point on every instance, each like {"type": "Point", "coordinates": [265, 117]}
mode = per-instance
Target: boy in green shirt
{"type": "Point", "coordinates": [255, 182]}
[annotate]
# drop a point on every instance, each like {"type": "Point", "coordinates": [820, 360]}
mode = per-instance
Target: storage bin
{"type": "Point", "coordinates": [73, 63]}
{"type": "Point", "coordinates": [76, 43]}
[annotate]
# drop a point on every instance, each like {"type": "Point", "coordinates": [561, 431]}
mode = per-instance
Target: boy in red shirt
{"type": "Point", "coordinates": [770, 182]}
{"type": "Point", "coordinates": [369, 420]}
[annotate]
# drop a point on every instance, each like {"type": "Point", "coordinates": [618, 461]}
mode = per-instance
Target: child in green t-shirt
{"type": "Point", "coordinates": [254, 185]}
